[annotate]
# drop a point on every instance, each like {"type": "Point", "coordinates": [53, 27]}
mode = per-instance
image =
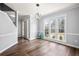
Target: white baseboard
{"type": "Point", "coordinates": [32, 38]}
{"type": "Point", "coordinates": [64, 43]}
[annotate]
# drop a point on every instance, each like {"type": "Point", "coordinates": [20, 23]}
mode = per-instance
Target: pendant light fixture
{"type": "Point", "coordinates": [37, 5]}
{"type": "Point", "coordinates": [37, 13]}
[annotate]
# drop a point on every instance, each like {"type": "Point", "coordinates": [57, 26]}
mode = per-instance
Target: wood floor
{"type": "Point", "coordinates": [39, 47]}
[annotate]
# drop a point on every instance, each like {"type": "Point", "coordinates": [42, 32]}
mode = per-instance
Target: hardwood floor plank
{"type": "Point", "coordinates": [39, 47]}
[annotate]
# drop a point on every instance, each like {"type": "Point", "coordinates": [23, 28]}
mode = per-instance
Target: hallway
{"type": "Point", "coordinates": [39, 48]}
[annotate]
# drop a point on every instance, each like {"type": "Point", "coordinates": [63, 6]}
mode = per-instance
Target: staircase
{"type": "Point", "coordinates": [8, 32]}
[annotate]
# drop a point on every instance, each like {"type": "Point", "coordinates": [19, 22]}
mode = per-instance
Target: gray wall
{"type": "Point", "coordinates": [71, 23]}
{"type": "Point", "coordinates": [72, 26]}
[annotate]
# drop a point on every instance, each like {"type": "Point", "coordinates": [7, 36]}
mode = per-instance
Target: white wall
{"type": "Point", "coordinates": [33, 27]}
{"type": "Point", "coordinates": [27, 26]}
{"type": "Point", "coordinates": [19, 28]}
{"type": "Point", "coordinates": [6, 23]}
{"type": "Point", "coordinates": [8, 32]}
{"type": "Point", "coordinates": [25, 19]}
{"type": "Point", "coordinates": [30, 26]}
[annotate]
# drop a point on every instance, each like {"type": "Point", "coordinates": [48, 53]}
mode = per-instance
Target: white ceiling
{"type": "Point", "coordinates": [44, 8]}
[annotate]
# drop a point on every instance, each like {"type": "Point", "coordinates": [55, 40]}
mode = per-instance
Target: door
{"type": "Point", "coordinates": [27, 28]}
{"type": "Point", "coordinates": [61, 26]}
{"type": "Point", "coordinates": [55, 29]}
